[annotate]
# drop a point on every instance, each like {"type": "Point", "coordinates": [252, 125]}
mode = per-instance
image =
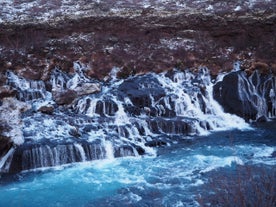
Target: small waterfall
{"type": "Point", "coordinates": [81, 151]}
{"type": "Point", "coordinates": [109, 150]}
{"type": "Point", "coordinates": [272, 96]}
{"type": "Point", "coordinates": [127, 118]}
{"type": "Point", "coordinates": [28, 90]}
{"type": "Point", "coordinates": [5, 161]}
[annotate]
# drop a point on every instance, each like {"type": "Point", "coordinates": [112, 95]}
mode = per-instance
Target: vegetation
{"type": "Point", "coordinates": [245, 186]}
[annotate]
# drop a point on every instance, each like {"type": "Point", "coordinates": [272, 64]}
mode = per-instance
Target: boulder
{"type": "Point", "coordinates": [243, 95]}
{"type": "Point", "coordinates": [87, 88]}
{"type": "Point", "coordinates": [6, 91]}
{"type": "Point", "coordinates": [47, 109]}
{"type": "Point", "coordinates": [64, 97]}
{"type": "Point", "coordinates": [74, 131]}
{"type": "Point", "coordinates": [140, 89]}
{"type": "Point", "coordinates": [10, 116]}
{"type": "Point", "coordinates": [233, 97]}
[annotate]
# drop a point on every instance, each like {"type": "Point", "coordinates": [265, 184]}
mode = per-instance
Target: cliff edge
{"type": "Point", "coordinates": [136, 36]}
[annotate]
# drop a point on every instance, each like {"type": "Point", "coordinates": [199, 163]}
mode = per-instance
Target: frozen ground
{"type": "Point", "coordinates": [45, 10]}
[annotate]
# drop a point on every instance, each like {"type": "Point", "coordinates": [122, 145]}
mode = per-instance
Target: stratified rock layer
{"type": "Point", "coordinates": [135, 36]}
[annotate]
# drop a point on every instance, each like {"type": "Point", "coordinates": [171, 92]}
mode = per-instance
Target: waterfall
{"type": "Point", "coordinates": [4, 164]}
{"type": "Point", "coordinates": [81, 151]}
{"type": "Point", "coordinates": [109, 150]}
{"type": "Point", "coordinates": [249, 96]}
{"type": "Point", "coordinates": [28, 90]}
{"type": "Point", "coordinates": [127, 118]}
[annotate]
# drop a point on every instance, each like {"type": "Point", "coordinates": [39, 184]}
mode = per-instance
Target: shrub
{"type": "Point", "coordinates": [245, 186]}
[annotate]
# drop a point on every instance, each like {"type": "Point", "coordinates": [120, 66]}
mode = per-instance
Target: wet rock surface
{"type": "Point", "coordinates": [251, 97]}
{"type": "Point", "coordinates": [10, 116]}
{"type": "Point", "coordinates": [5, 145]}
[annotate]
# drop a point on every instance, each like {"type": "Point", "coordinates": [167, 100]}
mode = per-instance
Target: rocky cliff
{"type": "Point", "coordinates": [135, 36]}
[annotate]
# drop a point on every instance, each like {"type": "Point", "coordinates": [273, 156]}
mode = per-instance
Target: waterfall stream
{"type": "Point", "coordinates": [126, 118]}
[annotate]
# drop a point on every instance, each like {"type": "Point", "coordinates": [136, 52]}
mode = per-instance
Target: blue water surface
{"type": "Point", "coordinates": [174, 177]}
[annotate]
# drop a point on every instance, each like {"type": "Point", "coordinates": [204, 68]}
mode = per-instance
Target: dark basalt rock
{"type": "Point", "coordinates": [250, 97]}
{"type": "Point", "coordinates": [37, 155]}
{"type": "Point", "coordinates": [233, 99]}
{"type": "Point", "coordinates": [106, 107]}
{"type": "Point", "coordinates": [47, 109]}
{"type": "Point", "coordinates": [7, 92]}
{"type": "Point", "coordinates": [273, 154]}
{"type": "Point", "coordinates": [140, 88]}
{"type": "Point", "coordinates": [5, 145]}
{"type": "Point", "coordinates": [155, 143]}
{"type": "Point", "coordinates": [143, 91]}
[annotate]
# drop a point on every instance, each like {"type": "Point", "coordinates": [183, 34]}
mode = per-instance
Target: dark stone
{"type": "Point", "coordinates": [262, 119]}
{"type": "Point", "coordinates": [74, 132]}
{"type": "Point", "coordinates": [106, 107]}
{"type": "Point", "coordinates": [247, 96]}
{"type": "Point", "coordinates": [5, 145]}
{"type": "Point", "coordinates": [123, 151]}
{"type": "Point", "coordinates": [64, 97]}
{"type": "Point", "coordinates": [155, 143]}
{"type": "Point", "coordinates": [234, 97]}
{"type": "Point", "coordinates": [7, 92]}
{"type": "Point", "coordinates": [141, 90]}
{"type": "Point", "coordinates": [48, 109]}
{"type": "Point", "coordinates": [140, 150]}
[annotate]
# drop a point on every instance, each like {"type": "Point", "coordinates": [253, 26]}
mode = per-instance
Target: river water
{"type": "Point", "coordinates": [178, 175]}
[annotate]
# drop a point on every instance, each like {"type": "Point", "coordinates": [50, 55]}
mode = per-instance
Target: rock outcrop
{"type": "Point", "coordinates": [11, 134]}
{"type": "Point", "coordinates": [10, 116]}
{"type": "Point", "coordinates": [251, 97]}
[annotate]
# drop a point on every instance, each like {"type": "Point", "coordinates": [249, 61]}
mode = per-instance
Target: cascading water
{"type": "Point", "coordinates": [127, 118]}
{"type": "Point", "coordinates": [69, 120]}
{"type": "Point", "coordinates": [251, 97]}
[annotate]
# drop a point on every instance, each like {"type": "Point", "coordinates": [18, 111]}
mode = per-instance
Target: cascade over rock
{"type": "Point", "coordinates": [249, 96]}
{"type": "Point", "coordinates": [126, 118]}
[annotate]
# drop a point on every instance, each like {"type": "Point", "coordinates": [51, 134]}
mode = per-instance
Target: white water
{"type": "Point", "coordinates": [4, 159]}
{"type": "Point", "coordinates": [109, 150]}
{"type": "Point", "coordinates": [127, 118]}
{"type": "Point", "coordinates": [187, 103]}
{"type": "Point", "coordinates": [175, 177]}
{"type": "Point", "coordinates": [81, 151]}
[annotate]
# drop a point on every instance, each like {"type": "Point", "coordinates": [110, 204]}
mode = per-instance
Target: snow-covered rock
{"type": "Point", "coordinates": [10, 116]}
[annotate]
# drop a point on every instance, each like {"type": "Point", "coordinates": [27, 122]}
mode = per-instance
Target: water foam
{"type": "Point", "coordinates": [129, 116]}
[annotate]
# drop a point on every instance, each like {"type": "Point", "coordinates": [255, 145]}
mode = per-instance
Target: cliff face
{"type": "Point", "coordinates": [135, 36]}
